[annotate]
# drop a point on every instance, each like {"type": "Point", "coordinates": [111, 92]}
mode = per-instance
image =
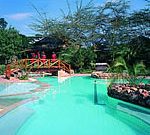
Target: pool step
{"type": "Point", "coordinates": [139, 113]}
{"type": "Point", "coordinates": [12, 121]}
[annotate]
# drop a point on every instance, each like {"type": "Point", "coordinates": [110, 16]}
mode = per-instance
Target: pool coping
{"type": "Point", "coordinates": [76, 74]}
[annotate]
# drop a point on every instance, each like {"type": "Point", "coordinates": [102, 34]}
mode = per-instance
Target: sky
{"type": "Point", "coordinates": [20, 13]}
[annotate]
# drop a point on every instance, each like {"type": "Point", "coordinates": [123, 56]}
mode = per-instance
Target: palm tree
{"type": "Point", "coordinates": [134, 74]}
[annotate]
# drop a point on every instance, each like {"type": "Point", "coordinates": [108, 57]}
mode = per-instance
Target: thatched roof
{"type": "Point", "coordinates": [47, 43]}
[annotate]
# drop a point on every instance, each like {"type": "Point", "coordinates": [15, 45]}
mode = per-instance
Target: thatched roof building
{"type": "Point", "coordinates": [47, 43]}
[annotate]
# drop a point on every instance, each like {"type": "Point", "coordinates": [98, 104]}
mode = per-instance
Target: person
{"type": "Point", "coordinates": [8, 71]}
{"type": "Point", "coordinates": [38, 55]}
{"type": "Point", "coordinates": [43, 57]}
{"type": "Point", "coordinates": [54, 57]}
{"type": "Point", "coordinates": [33, 57]}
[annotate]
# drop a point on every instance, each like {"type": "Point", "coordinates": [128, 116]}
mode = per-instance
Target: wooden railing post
{"type": "Point", "coordinates": [49, 63]}
{"type": "Point", "coordinates": [59, 64]}
{"type": "Point", "coordinates": [38, 63]}
{"type": "Point", "coordinates": [26, 62]}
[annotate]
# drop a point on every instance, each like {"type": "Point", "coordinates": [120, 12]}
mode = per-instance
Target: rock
{"type": "Point", "coordinates": [133, 88]}
{"type": "Point", "coordinates": [130, 94]}
{"type": "Point", "coordinates": [148, 102]}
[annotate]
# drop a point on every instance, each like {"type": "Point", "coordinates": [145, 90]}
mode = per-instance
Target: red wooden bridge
{"type": "Point", "coordinates": [33, 65]}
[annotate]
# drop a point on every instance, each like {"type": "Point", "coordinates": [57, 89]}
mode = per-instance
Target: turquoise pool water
{"type": "Point", "coordinates": [68, 109]}
{"type": "Point", "coordinates": [16, 88]}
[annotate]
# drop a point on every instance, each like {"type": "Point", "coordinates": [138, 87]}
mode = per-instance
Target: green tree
{"type": "Point", "coordinates": [139, 23]}
{"type": "Point", "coordinates": [3, 23]}
{"type": "Point", "coordinates": [110, 28]}
{"type": "Point", "coordinates": [10, 43]}
{"type": "Point", "coordinates": [89, 58]}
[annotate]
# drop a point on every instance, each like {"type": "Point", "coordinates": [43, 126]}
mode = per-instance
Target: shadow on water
{"type": "Point", "coordinates": [82, 97]}
{"type": "Point", "coordinates": [88, 77]}
{"type": "Point", "coordinates": [41, 101]}
{"type": "Point", "coordinates": [133, 108]}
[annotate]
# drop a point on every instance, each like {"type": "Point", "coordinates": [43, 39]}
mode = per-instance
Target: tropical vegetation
{"type": "Point", "coordinates": [91, 33]}
{"type": "Point", "coordinates": [131, 74]}
{"type": "Point", "coordinates": [12, 43]}
{"type": "Point", "coordinates": [104, 32]}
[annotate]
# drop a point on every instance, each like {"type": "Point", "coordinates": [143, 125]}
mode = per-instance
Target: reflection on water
{"type": "Point", "coordinates": [62, 79]}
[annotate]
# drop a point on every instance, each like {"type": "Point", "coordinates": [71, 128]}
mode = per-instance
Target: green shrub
{"type": "Point", "coordinates": [148, 72]}
{"type": "Point", "coordinates": [23, 77]}
{"type": "Point", "coordinates": [2, 69]}
{"type": "Point", "coordinates": [85, 71]}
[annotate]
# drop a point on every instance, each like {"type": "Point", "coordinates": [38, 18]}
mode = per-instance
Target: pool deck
{"type": "Point", "coordinates": [81, 75]}
{"type": "Point", "coordinates": [14, 80]}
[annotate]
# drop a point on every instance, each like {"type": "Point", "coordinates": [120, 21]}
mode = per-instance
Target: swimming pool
{"type": "Point", "coordinates": [68, 109]}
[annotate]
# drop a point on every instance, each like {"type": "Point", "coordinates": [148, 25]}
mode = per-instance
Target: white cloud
{"type": "Point", "coordinates": [111, 0]}
{"type": "Point", "coordinates": [19, 16]}
{"type": "Point", "coordinates": [98, 4]}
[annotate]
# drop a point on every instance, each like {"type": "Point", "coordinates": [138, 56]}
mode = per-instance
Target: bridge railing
{"type": "Point", "coordinates": [29, 64]}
